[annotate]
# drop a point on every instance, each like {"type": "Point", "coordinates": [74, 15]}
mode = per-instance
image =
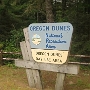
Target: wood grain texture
{"type": "Point", "coordinates": [26, 34]}
{"type": "Point", "coordinates": [33, 76]}
{"type": "Point", "coordinates": [59, 81]}
{"type": "Point", "coordinates": [69, 68]}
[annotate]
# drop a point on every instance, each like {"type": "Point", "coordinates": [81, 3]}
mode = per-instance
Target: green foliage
{"type": "Point", "coordinates": [15, 38]}
{"type": "Point", "coordinates": [1, 46]}
{"type": "Point", "coordinates": [85, 67]}
{"type": "Point", "coordinates": [16, 14]}
{"type": "Point", "coordinates": [75, 13]}
{"type": "Point", "coordinates": [10, 64]}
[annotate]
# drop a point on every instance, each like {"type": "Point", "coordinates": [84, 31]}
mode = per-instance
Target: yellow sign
{"type": "Point", "coordinates": [49, 56]}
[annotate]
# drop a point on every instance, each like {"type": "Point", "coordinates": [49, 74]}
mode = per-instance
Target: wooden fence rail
{"type": "Point", "coordinates": [80, 56]}
{"type": "Point", "coordinates": [19, 53]}
{"type": "Point", "coordinates": [2, 53]}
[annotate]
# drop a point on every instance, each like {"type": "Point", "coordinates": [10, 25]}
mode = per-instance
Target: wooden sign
{"type": "Point", "coordinates": [50, 42]}
{"type": "Point", "coordinates": [33, 68]}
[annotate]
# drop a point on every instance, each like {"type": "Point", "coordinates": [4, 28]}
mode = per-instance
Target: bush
{"type": "Point", "coordinates": [13, 43]}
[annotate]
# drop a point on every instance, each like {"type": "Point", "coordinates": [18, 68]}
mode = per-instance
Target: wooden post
{"type": "Point", "coordinates": [1, 58]}
{"type": "Point", "coordinates": [59, 81]}
{"type": "Point", "coordinates": [36, 73]}
{"type": "Point", "coordinates": [33, 76]}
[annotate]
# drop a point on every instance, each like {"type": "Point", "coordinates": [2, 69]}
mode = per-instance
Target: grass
{"type": "Point", "coordinates": [16, 79]}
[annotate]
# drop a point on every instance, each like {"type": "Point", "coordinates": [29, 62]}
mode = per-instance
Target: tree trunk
{"type": "Point", "coordinates": [63, 7]}
{"type": "Point", "coordinates": [49, 12]}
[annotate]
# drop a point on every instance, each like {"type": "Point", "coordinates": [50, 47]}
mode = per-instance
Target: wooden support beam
{"type": "Point", "coordinates": [26, 34]}
{"type": "Point", "coordinates": [33, 76]}
{"type": "Point", "coordinates": [69, 68]}
{"type": "Point", "coordinates": [59, 81]}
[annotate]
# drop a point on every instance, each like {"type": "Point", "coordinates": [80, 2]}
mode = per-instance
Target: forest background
{"type": "Point", "coordinates": [18, 14]}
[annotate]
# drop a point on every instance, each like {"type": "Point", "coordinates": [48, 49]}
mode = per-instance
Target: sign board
{"type": "Point", "coordinates": [50, 42]}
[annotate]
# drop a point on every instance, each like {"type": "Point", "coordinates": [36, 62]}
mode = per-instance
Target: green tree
{"type": "Point", "coordinates": [8, 19]}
